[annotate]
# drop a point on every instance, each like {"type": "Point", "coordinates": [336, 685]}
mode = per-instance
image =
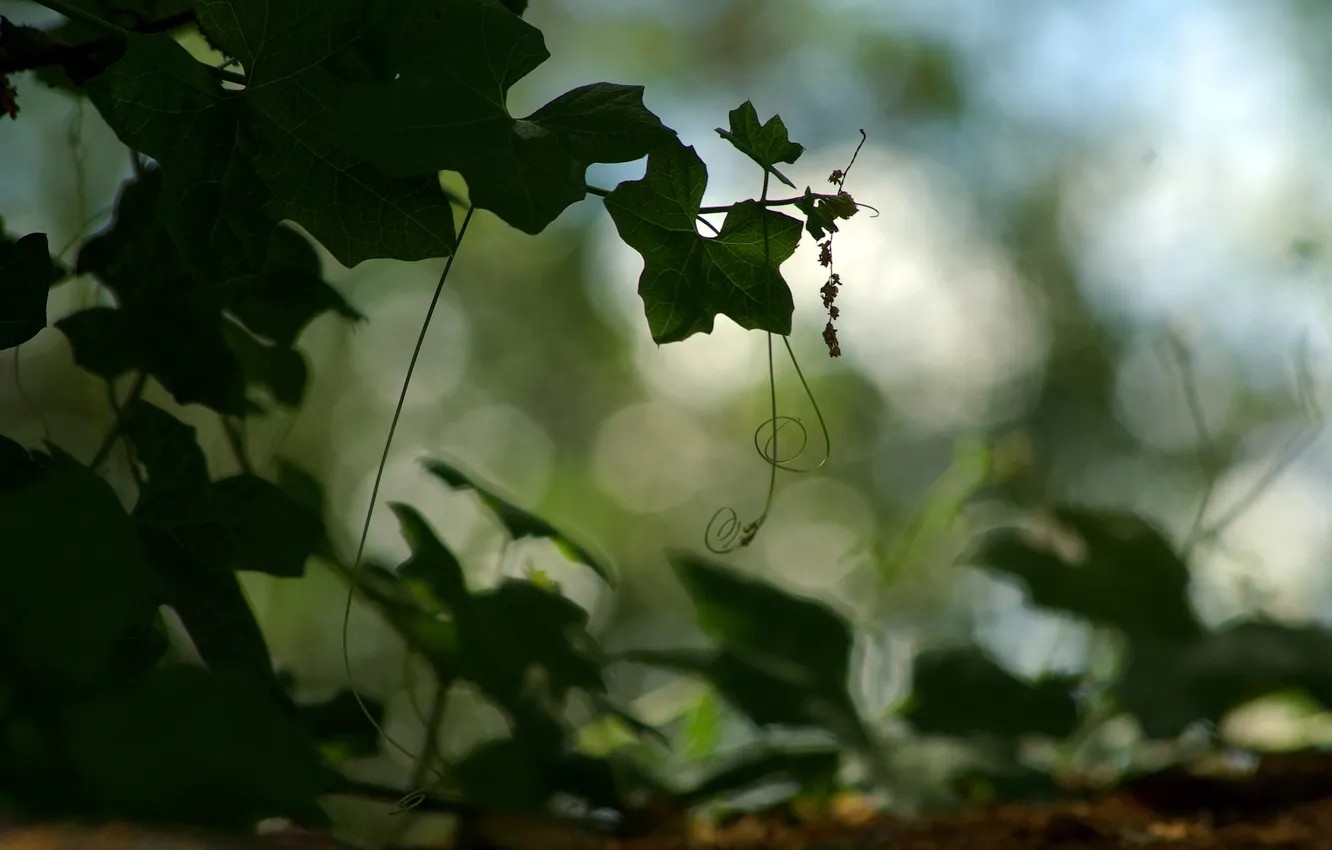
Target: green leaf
{"type": "Point", "coordinates": [1169, 687]}
{"type": "Point", "coordinates": [165, 447]}
{"type": "Point", "coordinates": [467, 54]}
{"type": "Point", "coordinates": [502, 776]}
{"type": "Point", "coordinates": [238, 523]}
{"type": "Point", "coordinates": [211, 604]}
{"type": "Point", "coordinates": [281, 370]}
{"type": "Point", "coordinates": [165, 323]}
{"type": "Point", "coordinates": [199, 537]}
{"type": "Point", "coordinates": [801, 640]}
{"type": "Point", "coordinates": [73, 580]}
{"type": "Point", "coordinates": [102, 341]}
{"type": "Point", "coordinates": [766, 143]}
{"type": "Point", "coordinates": [518, 522]}
{"type": "Point", "coordinates": [26, 275]}
{"type": "Point", "coordinates": [507, 635]}
{"type": "Point", "coordinates": [173, 327]}
{"type": "Point", "coordinates": [812, 768]}
{"type": "Point", "coordinates": [188, 746]}
{"type": "Point", "coordinates": [962, 691]}
{"type": "Point", "coordinates": [340, 726]}
{"type": "Point", "coordinates": [542, 629]}
{"type": "Point", "coordinates": [689, 279]}
{"type": "Point", "coordinates": [287, 293]}
{"type": "Point", "coordinates": [766, 694]}
{"type": "Point", "coordinates": [238, 162]}
{"type": "Point", "coordinates": [1124, 573]}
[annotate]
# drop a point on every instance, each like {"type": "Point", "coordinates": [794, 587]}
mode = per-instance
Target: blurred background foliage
{"type": "Point", "coordinates": [1096, 275]}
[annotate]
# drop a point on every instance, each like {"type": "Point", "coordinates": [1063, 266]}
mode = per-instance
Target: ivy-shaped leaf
{"type": "Point", "coordinates": [464, 55]}
{"type": "Point", "coordinates": [26, 275]}
{"type": "Point", "coordinates": [170, 325]}
{"type": "Point", "coordinates": [689, 279]}
{"type": "Point", "coordinates": [518, 522]}
{"type": "Point", "coordinates": [765, 143]}
{"type": "Point", "coordinates": [239, 162]}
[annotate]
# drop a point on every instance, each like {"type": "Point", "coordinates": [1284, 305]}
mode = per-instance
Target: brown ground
{"type": "Point", "coordinates": [1286, 804]}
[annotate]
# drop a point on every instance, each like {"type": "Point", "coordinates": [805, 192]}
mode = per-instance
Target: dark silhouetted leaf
{"type": "Point", "coordinates": [187, 745]}
{"type": "Point", "coordinates": [1126, 575]}
{"type": "Point", "coordinates": [26, 275]}
{"type": "Point", "coordinates": [689, 279]}
{"type": "Point", "coordinates": [165, 447]}
{"type": "Point", "coordinates": [766, 144]}
{"type": "Point", "coordinates": [801, 640]}
{"type": "Point", "coordinates": [74, 575]}
{"type": "Point", "coordinates": [340, 725]}
{"type": "Point", "coordinates": [518, 522]}
{"type": "Point", "coordinates": [963, 692]}
{"type": "Point", "coordinates": [812, 768]}
{"type": "Point", "coordinates": [468, 54]}
{"type": "Point", "coordinates": [237, 163]}
{"type": "Point", "coordinates": [287, 293]}
{"type": "Point", "coordinates": [1172, 686]}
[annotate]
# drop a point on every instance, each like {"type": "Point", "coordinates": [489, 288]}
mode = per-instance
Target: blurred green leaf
{"type": "Point", "coordinates": [502, 776]}
{"type": "Point", "coordinates": [1119, 571]}
{"type": "Point", "coordinates": [184, 745]}
{"type": "Point", "coordinates": [75, 579]}
{"type": "Point", "coordinates": [1170, 687]}
{"type": "Point", "coordinates": [288, 293]}
{"type": "Point", "coordinates": [802, 641]}
{"type": "Point", "coordinates": [812, 768]}
{"type": "Point", "coordinates": [241, 523]}
{"type": "Point", "coordinates": [340, 726]}
{"type": "Point", "coordinates": [518, 522]}
{"type": "Point", "coordinates": [165, 447]}
{"type": "Point", "coordinates": [26, 275]}
{"type": "Point", "coordinates": [962, 692]}
{"type": "Point", "coordinates": [281, 370]}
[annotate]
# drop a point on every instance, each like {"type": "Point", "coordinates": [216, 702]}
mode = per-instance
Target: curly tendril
{"type": "Point", "coordinates": [725, 532]}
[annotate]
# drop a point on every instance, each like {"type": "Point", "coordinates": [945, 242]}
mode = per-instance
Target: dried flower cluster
{"type": "Point", "coordinates": [834, 281]}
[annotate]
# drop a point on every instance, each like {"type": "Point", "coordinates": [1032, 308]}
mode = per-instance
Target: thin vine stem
{"type": "Point", "coordinates": [721, 208]}
{"type": "Point", "coordinates": [379, 478]}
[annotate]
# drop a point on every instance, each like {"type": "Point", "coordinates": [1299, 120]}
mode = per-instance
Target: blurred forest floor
{"type": "Point", "coordinates": [1285, 802]}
